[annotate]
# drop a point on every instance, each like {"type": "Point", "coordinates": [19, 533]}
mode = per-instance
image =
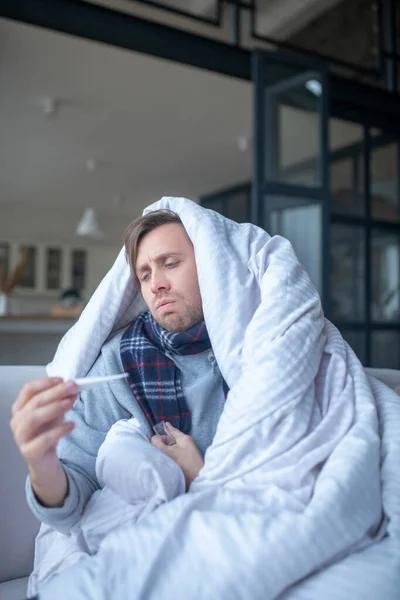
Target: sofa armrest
{"type": "Point", "coordinates": [18, 526]}
{"type": "Point", "coordinates": [389, 376]}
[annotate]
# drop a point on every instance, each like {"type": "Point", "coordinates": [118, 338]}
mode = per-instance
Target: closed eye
{"type": "Point", "coordinates": [171, 265]}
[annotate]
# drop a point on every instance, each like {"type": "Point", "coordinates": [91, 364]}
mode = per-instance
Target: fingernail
{"type": "Point", "coordinates": [56, 379]}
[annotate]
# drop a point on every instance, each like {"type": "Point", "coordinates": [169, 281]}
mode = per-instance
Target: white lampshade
{"type": "Point", "coordinates": [88, 224]}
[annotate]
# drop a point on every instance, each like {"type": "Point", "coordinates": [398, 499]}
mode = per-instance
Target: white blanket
{"type": "Point", "coordinates": [292, 481]}
{"type": "Point", "coordinates": [135, 478]}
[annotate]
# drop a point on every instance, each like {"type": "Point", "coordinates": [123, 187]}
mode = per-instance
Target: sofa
{"type": "Point", "coordinates": [18, 527]}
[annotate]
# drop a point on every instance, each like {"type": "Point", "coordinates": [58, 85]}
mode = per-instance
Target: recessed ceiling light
{"type": "Point", "coordinates": [91, 164]}
{"type": "Point", "coordinates": [314, 86]}
{"type": "Point", "coordinates": [243, 143]}
{"type": "Point", "coordinates": [49, 106]}
{"type": "Point", "coordinates": [119, 200]}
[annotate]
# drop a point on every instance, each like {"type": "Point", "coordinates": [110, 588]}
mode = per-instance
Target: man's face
{"type": "Point", "coordinates": [166, 269]}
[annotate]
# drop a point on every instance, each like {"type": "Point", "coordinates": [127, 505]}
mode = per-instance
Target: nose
{"type": "Point", "coordinates": [159, 282]}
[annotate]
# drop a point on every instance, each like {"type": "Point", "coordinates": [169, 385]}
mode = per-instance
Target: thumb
{"type": "Point", "coordinates": [158, 443]}
{"type": "Point", "coordinates": [177, 434]}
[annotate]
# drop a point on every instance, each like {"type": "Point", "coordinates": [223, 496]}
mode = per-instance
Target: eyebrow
{"type": "Point", "coordinates": [159, 258]}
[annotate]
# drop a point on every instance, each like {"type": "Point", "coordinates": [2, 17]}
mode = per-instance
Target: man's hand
{"type": "Point", "coordinates": [185, 453]}
{"type": "Point", "coordinates": [37, 424]}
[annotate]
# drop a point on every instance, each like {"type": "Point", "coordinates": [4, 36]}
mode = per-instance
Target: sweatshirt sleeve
{"type": "Point", "coordinates": [94, 412]}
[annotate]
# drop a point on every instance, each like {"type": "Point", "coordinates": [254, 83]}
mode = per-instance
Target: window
{"type": "Point", "coordinates": [79, 269]}
{"type": "Point", "coordinates": [28, 255]}
{"type": "Point", "coordinates": [4, 263]}
{"type": "Point", "coordinates": [348, 272]}
{"type": "Point", "coordinates": [53, 268]}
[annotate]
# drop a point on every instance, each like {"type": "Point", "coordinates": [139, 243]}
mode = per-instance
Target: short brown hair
{"type": "Point", "coordinates": [139, 227]}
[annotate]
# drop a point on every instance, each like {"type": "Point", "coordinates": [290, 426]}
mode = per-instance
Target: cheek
{"type": "Point", "coordinates": [193, 289]}
{"type": "Point", "coordinates": [145, 293]}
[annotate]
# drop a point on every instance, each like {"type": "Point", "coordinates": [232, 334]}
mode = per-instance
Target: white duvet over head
{"type": "Point", "coordinates": [292, 479]}
{"type": "Point", "coordinates": [227, 257]}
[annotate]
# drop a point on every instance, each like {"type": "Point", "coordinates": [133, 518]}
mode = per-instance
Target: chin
{"type": "Point", "coordinates": [178, 322]}
{"type": "Point", "coordinates": [173, 323]}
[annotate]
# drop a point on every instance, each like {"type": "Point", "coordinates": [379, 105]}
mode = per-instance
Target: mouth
{"type": "Point", "coordinates": [165, 305]}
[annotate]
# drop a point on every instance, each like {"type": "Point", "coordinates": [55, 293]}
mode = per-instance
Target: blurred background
{"type": "Point", "coordinates": [278, 112]}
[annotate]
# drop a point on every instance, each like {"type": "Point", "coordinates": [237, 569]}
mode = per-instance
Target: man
{"type": "Point", "coordinates": [297, 447]}
{"type": "Point", "coordinates": [61, 455]}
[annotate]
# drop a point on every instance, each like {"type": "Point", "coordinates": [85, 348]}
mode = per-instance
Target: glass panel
{"type": "Point", "coordinates": [346, 31]}
{"type": "Point", "coordinates": [238, 206]}
{"type": "Point", "coordinates": [357, 341]}
{"type": "Point", "coordinates": [214, 204]}
{"type": "Point", "coordinates": [347, 272]}
{"type": "Point", "coordinates": [53, 269]}
{"type": "Point", "coordinates": [397, 28]}
{"type": "Point", "coordinates": [293, 126]}
{"type": "Point", "coordinates": [234, 205]}
{"type": "Point", "coordinates": [4, 264]}
{"type": "Point", "coordinates": [28, 255]}
{"type": "Point", "coordinates": [299, 220]}
{"type": "Point", "coordinates": [398, 73]}
{"type": "Point", "coordinates": [203, 10]}
{"type": "Point", "coordinates": [385, 182]}
{"type": "Point", "coordinates": [385, 259]}
{"type": "Point", "coordinates": [346, 167]}
{"type": "Point", "coordinates": [78, 269]}
{"type": "Point", "coordinates": [385, 349]}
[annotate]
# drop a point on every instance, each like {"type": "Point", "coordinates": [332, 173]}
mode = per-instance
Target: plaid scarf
{"type": "Point", "coordinates": [153, 377]}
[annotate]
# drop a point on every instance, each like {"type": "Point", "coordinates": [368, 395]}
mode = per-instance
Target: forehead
{"type": "Point", "coordinates": [162, 240]}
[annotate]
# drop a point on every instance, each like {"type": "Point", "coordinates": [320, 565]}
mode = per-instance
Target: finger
{"type": "Point", "coordinates": [177, 434]}
{"type": "Point", "coordinates": [157, 441]}
{"type": "Point", "coordinates": [59, 421]}
{"type": "Point", "coordinates": [55, 394]}
{"type": "Point", "coordinates": [31, 388]}
{"type": "Point", "coordinates": [38, 446]}
{"type": "Point", "coordinates": [27, 425]}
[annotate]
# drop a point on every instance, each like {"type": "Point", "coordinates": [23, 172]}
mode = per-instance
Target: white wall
{"type": "Point", "coordinates": [28, 349]}
{"type": "Point", "coordinates": [57, 224]}
{"type": "Point", "coordinates": [100, 260]}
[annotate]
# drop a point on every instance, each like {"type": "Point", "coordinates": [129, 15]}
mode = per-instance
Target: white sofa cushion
{"type": "Point", "coordinates": [389, 376]}
{"type": "Point", "coordinates": [18, 527]}
{"type": "Point", "coordinates": [14, 589]}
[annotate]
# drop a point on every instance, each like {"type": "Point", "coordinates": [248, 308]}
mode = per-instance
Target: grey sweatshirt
{"type": "Point", "coordinates": [97, 409]}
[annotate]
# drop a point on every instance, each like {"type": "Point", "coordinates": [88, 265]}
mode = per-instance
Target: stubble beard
{"type": "Point", "coordinates": [179, 322]}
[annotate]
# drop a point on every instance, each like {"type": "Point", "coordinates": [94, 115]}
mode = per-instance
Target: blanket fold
{"type": "Point", "coordinates": [135, 477]}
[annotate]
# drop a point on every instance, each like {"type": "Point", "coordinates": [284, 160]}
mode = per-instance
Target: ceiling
{"type": "Point", "coordinates": [153, 127]}
{"type": "Point", "coordinates": [278, 19]}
